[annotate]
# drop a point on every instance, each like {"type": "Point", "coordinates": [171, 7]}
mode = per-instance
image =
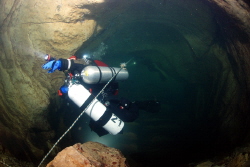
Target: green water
{"type": "Point", "coordinates": [169, 67]}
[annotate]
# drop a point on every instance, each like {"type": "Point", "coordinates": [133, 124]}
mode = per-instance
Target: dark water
{"type": "Point", "coordinates": [165, 67]}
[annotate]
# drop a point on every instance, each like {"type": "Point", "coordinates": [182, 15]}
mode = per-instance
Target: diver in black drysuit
{"type": "Point", "coordinates": [126, 110]}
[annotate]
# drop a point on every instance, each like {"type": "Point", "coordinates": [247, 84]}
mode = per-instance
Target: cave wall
{"type": "Point", "coordinates": [233, 19]}
{"type": "Point", "coordinates": [30, 29]}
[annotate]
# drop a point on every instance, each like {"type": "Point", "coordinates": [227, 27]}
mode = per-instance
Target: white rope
{"type": "Point", "coordinates": [123, 65]}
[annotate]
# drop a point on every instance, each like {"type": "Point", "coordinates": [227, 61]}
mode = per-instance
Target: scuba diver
{"type": "Point", "coordinates": [93, 86]}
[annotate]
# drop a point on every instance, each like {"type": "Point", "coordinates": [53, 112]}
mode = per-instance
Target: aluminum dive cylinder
{"type": "Point", "coordinates": [97, 111]}
{"type": "Point", "coordinates": [99, 74]}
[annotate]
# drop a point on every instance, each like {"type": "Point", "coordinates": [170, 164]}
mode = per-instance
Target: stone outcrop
{"type": "Point", "coordinates": [90, 154]}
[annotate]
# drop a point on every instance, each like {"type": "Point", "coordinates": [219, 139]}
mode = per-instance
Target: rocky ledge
{"type": "Point", "coordinates": [90, 154]}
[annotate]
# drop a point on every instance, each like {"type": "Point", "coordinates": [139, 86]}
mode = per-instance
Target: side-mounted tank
{"type": "Point", "coordinates": [98, 74]}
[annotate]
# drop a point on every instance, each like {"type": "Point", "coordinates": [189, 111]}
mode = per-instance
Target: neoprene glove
{"type": "Point", "coordinates": [48, 65]}
{"type": "Point", "coordinates": [52, 65]}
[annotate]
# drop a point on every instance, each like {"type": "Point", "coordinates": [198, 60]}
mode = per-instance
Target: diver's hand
{"type": "Point", "coordinates": [52, 65]}
{"type": "Point", "coordinates": [48, 65]}
{"type": "Point", "coordinates": [56, 66]}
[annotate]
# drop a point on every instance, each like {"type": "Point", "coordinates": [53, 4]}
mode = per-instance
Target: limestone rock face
{"type": "Point", "coordinates": [238, 10]}
{"type": "Point", "coordinates": [29, 29]}
{"type": "Point", "coordinates": [233, 18]}
{"type": "Point", "coordinates": [90, 154]}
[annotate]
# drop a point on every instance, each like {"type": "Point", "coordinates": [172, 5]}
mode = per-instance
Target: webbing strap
{"type": "Point", "coordinates": [104, 118]}
{"type": "Point", "coordinates": [87, 102]}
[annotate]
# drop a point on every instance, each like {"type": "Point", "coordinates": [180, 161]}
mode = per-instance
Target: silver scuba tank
{"type": "Point", "coordinates": [100, 74]}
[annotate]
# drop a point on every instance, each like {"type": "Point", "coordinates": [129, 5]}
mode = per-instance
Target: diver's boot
{"type": "Point", "coordinates": [152, 106]}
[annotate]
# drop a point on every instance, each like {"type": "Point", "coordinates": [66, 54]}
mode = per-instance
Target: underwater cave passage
{"type": "Point", "coordinates": [165, 67]}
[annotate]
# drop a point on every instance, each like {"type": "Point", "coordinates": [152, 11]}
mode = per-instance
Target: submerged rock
{"type": "Point", "coordinates": [90, 154]}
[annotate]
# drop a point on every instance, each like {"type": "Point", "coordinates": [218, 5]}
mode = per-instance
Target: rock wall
{"type": "Point", "coordinates": [233, 19]}
{"type": "Point", "coordinates": [30, 29]}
